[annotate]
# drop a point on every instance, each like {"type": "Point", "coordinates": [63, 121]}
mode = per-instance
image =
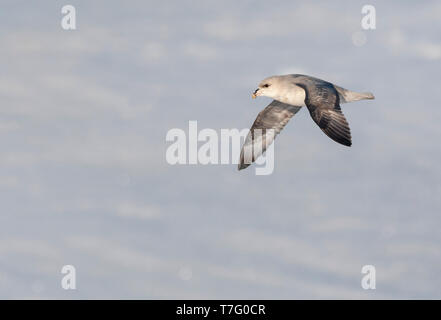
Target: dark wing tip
{"type": "Point", "coordinates": [347, 143]}
{"type": "Point", "coordinates": [334, 125]}
{"type": "Point", "coordinates": [343, 138]}
{"type": "Point", "coordinates": [242, 166]}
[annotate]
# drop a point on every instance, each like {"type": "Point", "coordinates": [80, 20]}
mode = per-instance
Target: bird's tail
{"type": "Point", "coordinates": [366, 95]}
{"type": "Point", "coordinates": [349, 96]}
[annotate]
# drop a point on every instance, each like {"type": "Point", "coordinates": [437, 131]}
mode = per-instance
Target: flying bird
{"type": "Point", "coordinates": [290, 93]}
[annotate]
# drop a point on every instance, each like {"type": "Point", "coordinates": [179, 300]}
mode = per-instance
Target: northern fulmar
{"type": "Point", "coordinates": [290, 93]}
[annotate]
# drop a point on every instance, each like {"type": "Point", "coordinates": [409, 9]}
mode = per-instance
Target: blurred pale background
{"type": "Point", "coordinates": [83, 176]}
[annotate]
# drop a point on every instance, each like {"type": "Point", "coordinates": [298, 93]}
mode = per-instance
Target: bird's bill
{"type": "Point", "coordinates": [254, 95]}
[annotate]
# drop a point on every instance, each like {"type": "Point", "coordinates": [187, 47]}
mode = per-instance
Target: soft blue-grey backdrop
{"type": "Point", "coordinates": [83, 176]}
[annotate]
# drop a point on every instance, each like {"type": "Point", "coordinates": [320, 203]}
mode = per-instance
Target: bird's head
{"type": "Point", "coordinates": [267, 88]}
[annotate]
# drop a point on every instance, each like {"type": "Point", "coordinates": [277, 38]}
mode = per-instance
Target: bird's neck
{"type": "Point", "coordinates": [293, 95]}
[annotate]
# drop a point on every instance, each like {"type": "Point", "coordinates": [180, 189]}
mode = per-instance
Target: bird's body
{"type": "Point", "coordinates": [290, 93]}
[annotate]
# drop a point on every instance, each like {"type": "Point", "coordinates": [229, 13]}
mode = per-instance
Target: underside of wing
{"type": "Point", "coordinates": [265, 128]}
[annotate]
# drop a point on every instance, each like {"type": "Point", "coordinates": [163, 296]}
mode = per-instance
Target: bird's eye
{"type": "Point", "coordinates": [266, 85]}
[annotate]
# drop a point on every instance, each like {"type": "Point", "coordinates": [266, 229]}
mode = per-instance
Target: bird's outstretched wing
{"type": "Point", "coordinates": [265, 128]}
{"type": "Point", "coordinates": [323, 103]}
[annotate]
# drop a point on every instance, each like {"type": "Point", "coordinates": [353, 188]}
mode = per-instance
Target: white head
{"type": "Point", "coordinates": [271, 87]}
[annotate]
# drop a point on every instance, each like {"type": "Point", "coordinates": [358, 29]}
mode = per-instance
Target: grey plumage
{"type": "Point", "coordinates": [323, 102]}
{"type": "Point", "coordinates": [290, 93]}
{"type": "Point", "coordinates": [275, 116]}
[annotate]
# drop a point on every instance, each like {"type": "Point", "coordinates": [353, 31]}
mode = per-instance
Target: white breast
{"type": "Point", "coordinates": [294, 96]}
